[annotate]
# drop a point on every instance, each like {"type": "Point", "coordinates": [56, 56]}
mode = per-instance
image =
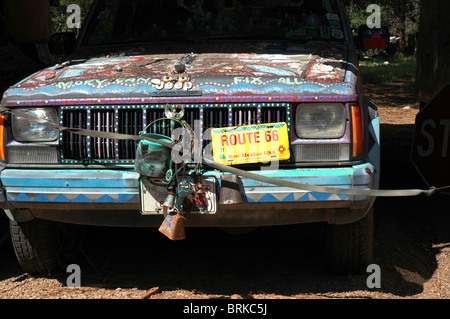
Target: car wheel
{"type": "Point", "coordinates": [45, 247]}
{"type": "Point", "coordinates": [350, 246]}
{"type": "Point", "coordinates": [4, 228]}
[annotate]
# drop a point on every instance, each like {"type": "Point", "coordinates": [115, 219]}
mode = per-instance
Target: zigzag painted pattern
{"type": "Point", "coordinates": [73, 198]}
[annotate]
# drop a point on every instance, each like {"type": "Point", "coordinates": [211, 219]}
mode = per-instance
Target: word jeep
{"type": "Point", "coordinates": [226, 113]}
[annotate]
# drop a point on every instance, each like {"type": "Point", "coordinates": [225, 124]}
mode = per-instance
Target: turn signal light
{"type": "Point", "coordinates": [2, 138]}
{"type": "Point", "coordinates": [357, 134]}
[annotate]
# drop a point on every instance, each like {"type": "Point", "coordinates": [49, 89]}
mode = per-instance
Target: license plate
{"type": "Point", "coordinates": [250, 143]}
{"type": "Point", "coordinates": [154, 194]}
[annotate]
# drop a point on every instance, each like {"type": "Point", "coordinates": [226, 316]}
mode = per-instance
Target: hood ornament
{"type": "Point", "coordinates": [180, 66]}
{"type": "Point", "coordinates": [174, 111]}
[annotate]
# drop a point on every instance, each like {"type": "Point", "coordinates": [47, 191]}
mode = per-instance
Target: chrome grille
{"type": "Point", "coordinates": [273, 114]}
{"type": "Point", "coordinates": [321, 152]}
{"type": "Point", "coordinates": [244, 116]}
{"type": "Point", "coordinates": [130, 123]}
{"type": "Point", "coordinates": [74, 146]}
{"type": "Point", "coordinates": [133, 119]}
{"type": "Point", "coordinates": [215, 117]}
{"type": "Point", "coordinates": [103, 148]}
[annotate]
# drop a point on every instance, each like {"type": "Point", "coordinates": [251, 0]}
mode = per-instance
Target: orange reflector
{"type": "Point", "coordinates": [2, 138]}
{"type": "Point", "coordinates": [357, 136]}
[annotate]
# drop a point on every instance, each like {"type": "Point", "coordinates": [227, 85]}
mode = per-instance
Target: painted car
{"type": "Point", "coordinates": [263, 101]}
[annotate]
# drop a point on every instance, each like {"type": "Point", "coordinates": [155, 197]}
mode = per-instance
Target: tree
{"type": "Point", "coordinates": [401, 16]}
{"type": "Point", "coordinates": [59, 14]}
{"type": "Point", "coordinates": [433, 64]}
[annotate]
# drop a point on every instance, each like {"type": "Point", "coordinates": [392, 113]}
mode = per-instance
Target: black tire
{"type": "Point", "coordinates": [350, 246]}
{"type": "Point", "coordinates": [45, 247]}
{"type": "Point", "coordinates": [4, 229]}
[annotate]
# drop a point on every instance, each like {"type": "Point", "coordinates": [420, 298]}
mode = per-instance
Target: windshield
{"type": "Point", "coordinates": [137, 21]}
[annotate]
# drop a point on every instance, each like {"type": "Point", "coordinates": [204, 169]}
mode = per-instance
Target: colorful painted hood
{"type": "Point", "coordinates": [277, 72]}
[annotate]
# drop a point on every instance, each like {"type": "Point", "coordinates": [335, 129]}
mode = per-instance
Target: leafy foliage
{"type": "Point", "coordinates": [400, 16]}
{"type": "Point", "coordinates": [59, 14]}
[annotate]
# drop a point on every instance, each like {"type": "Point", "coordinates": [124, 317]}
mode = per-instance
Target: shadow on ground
{"type": "Point", "coordinates": [286, 260]}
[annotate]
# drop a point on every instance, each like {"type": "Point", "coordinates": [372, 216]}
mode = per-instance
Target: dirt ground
{"type": "Point", "coordinates": [412, 248]}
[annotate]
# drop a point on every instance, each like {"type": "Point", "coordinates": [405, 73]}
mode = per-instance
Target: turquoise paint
{"type": "Point", "coordinates": [69, 179]}
{"type": "Point", "coordinates": [119, 186]}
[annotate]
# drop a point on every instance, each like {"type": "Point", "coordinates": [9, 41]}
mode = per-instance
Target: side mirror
{"type": "Point", "coordinates": [61, 43]}
{"type": "Point", "coordinates": [375, 38]}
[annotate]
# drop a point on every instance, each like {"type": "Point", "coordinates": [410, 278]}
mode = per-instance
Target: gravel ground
{"type": "Point", "coordinates": [412, 248]}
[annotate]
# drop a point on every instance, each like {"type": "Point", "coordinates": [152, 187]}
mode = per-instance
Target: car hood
{"type": "Point", "coordinates": [294, 70]}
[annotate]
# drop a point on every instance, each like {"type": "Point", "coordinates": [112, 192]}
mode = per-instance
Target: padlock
{"type": "Point", "coordinates": [185, 188]}
{"type": "Point", "coordinates": [198, 184]}
{"type": "Point", "coordinates": [170, 200]}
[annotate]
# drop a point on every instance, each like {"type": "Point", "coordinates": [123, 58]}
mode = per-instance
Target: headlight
{"type": "Point", "coordinates": [313, 120]}
{"type": "Point", "coordinates": [35, 125]}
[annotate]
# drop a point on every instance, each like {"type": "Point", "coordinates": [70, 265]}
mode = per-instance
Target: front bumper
{"type": "Point", "coordinates": [112, 197]}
